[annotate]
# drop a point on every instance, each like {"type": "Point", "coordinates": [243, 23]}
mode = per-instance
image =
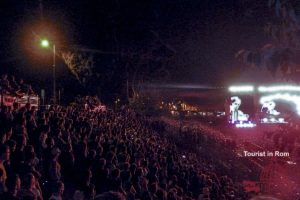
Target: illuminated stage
{"type": "Point", "coordinates": [249, 106]}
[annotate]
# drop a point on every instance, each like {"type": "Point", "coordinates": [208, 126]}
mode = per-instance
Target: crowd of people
{"type": "Point", "coordinates": [10, 86]}
{"type": "Point", "coordinates": [70, 152]}
{"type": "Point", "coordinates": [89, 103]}
{"type": "Point", "coordinates": [285, 139]}
{"type": "Point", "coordinates": [82, 153]}
{"type": "Point", "coordinates": [223, 152]}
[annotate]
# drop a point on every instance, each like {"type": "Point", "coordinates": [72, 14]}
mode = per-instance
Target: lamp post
{"type": "Point", "coordinates": [45, 44]}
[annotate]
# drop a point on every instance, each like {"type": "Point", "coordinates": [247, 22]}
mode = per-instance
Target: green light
{"type": "Point", "coordinates": [45, 43]}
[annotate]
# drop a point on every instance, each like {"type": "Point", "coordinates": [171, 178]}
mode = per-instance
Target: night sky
{"type": "Point", "coordinates": [204, 34]}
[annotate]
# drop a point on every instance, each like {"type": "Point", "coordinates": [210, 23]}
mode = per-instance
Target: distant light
{"type": "Point", "coordinates": [281, 120]}
{"type": "Point", "coordinates": [291, 163]}
{"type": "Point", "coordinates": [265, 120]}
{"type": "Point", "coordinates": [246, 88]}
{"type": "Point", "coordinates": [45, 43]}
{"type": "Point", "coordinates": [279, 88]}
{"type": "Point", "coordinates": [287, 97]}
{"type": "Point", "coordinates": [249, 125]}
{"type": "Point", "coordinates": [272, 120]}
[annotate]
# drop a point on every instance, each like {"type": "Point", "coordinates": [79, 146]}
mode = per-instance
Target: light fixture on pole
{"type": "Point", "coordinates": [46, 44]}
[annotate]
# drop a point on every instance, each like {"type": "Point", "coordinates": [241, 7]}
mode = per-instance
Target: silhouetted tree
{"type": "Point", "coordinates": [281, 53]}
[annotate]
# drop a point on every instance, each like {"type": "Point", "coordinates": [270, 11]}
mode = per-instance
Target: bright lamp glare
{"type": "Point", "coordinates": [279, 88]}
{"type": "Point", "coordinates": [286, 97]}
{"type": "Point", "coordinates": [45, 43]}
{"type": "Point", "coordinates": [247, 88]}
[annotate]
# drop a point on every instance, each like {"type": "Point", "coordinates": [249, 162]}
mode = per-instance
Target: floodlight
{"type": "Point", "coordinates": [246, 88]}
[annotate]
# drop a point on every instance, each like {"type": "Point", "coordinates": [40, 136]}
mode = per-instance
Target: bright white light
{"type": "Point", "coordinates": [281, 120]}
{"type": "Point", "coordinates": [265, 119]}
{"type": "Point", "coordinates": [272, 120]}
{"type": "Point", "coordinates": [279, 88]}
{"type": "Point", "coordinates": [45, 43]}
{"type": "Point", "coordinates": [246, 88]}
{"type": "Point", "coordinates": [291, 163]}
{"type": "Point", "coordinates": [250, 125]}
{"type": "Point", "coordinates": [287, 97]}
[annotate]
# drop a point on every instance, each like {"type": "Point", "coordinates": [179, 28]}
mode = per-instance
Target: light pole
{"type": "Point", "coordinates": [45, 44]}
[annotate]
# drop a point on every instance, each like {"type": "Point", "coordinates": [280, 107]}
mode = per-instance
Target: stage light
{"type": "Point", "coordinates": [287, 97]}
{"type": "Point", "coordinates": [249, 125]}
{"type": "Point", "coordinates": [246, 88]}
{"type": "Point", "coordinates": [272, 120]}
{"type": "Point", "coordinates": [281, 120]}
{"type": "Point", "coordinates": [265, 120]}
{"type": "Point", "coordinates": [279, 88]}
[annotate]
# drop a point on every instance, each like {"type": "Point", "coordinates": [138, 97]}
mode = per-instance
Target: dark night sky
{"type": "Point", "coordinates": [204, 33]}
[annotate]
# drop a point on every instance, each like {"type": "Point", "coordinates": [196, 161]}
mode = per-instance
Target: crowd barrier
{"type": "Point", "coordinates": [9, 100]}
